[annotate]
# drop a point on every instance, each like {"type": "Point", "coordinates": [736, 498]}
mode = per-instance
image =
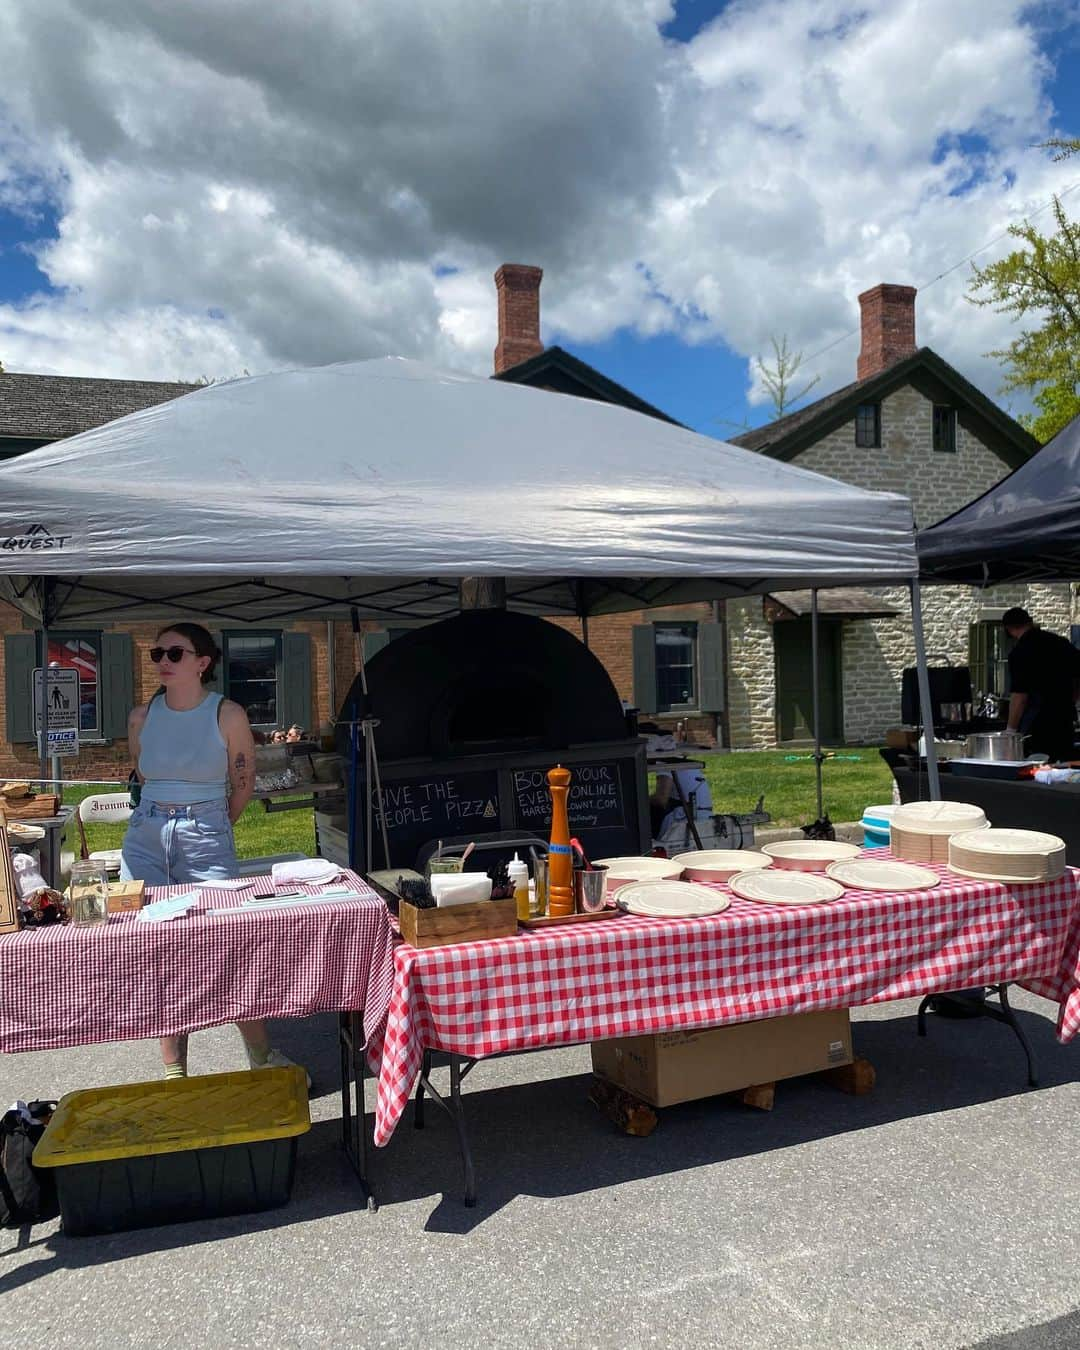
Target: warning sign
{"type": "Point", "coordinates": [62, 692]}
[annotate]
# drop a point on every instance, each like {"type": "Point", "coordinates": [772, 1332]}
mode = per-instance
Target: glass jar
{"type": "Point", "coordinates": [89, 890]}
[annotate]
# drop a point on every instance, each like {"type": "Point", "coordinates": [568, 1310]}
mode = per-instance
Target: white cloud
{"type": "Point", "coordinates": [248, 183]}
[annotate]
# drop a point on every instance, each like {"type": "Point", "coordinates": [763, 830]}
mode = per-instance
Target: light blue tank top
{"type": "Point", "coordinates": [182, 755]}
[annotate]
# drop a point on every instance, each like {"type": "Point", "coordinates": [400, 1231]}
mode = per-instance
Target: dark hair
{"type": "Point", "coordinates": [1016, 618]}
{"type": "Point", "coordinates": [201, 640]}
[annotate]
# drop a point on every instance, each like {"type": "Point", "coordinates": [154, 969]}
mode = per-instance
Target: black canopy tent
{"type": "Point", "coordinates": [1025, 528]}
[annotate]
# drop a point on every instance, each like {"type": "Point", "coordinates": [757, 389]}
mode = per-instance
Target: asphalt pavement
{"type": "Point", "coordinates": [939, 1212]}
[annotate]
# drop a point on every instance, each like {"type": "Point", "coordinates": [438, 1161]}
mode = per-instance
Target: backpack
{"type": "Point", "coordinates": [27, 1193]}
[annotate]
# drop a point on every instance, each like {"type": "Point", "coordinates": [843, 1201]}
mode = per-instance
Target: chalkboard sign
{"type": "Point", "coordinates": [596, 798]}
{"type": "Point", "coordinates": [436, 806]}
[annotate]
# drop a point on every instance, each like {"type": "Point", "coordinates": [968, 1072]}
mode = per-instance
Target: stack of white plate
{"type": "Point", "coordinates": [809, 855]}
{"type": "Point", "coordinates": [718, 864]}
{"type": "Point", "coordinates": [671, 899]}
{"type": "Point", "coordinates": [621, 871]}
{"type": "Point", "coordinates": [1007, 855]}
{"type": "Point", "coordinates": [920, 831]}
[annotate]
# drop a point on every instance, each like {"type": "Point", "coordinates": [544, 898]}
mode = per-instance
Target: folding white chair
{"type": "Point", "coordinates": [102, 808]}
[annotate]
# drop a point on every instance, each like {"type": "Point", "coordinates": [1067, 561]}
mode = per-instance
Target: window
{"type": "Point", "coordinates": [81, 652]}
{"type": "Point", "coordinates": [252, 666]}
{"type": "Point", "coordinates": [988, 656]}
{"type": "Point", "coordinates": [945, 430]}
{"type": "Point", "coordinates": [676, 666]}
{"type": "Point", "coordinates": [868, 425]}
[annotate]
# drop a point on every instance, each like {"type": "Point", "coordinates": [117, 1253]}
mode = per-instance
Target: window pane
{"type": "Point", "coordinates": [868, 425]}
{"type": "Point", "coordinates": [81, 654]}
{"type": "Point", "coordinates": [945, 430]}
{"type": "Point", "coordinates": [251, 670]}
{"type": "Point", "coordinates": [675, 665]}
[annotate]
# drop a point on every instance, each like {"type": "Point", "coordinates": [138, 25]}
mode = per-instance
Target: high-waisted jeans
{"type": "Point", "coordinates": [170, 845]}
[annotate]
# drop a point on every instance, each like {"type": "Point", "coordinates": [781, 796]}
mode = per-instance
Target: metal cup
{"type": "Point", "coordinates": [590, 890]}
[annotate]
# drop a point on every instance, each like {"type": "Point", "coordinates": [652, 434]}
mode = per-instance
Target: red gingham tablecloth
{"type": "Point", "coordinates": [632, 976]}
{"type": "Point", "coordinates": [130, 980]}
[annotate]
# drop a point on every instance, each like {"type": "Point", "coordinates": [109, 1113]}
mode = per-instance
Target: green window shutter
{"type": "Point", "coordinates": [20, 657]}
{"type": "Point", "coordinates": [117, 691]}
{"type": "Point", "coordinates": [294, 686]}
{"type": "Point", "coordinates": [217, 684]}
{"type": "Point", "coordinates": [374, 642]}
{"type": "Point", "coordinates": [644, 648]}
{"type": "Point", "coordinates": [711, 667]}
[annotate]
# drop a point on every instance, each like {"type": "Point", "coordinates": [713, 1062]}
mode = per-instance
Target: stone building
{"type": "Point", "coordinates": [738, 673]}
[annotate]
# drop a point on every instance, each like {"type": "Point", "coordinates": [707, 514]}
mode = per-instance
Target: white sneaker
{"type": "Point", "coordinates": [276, 1060]}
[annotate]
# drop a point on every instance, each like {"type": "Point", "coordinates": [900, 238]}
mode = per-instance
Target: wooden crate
{"type": "Point", "coordinates": [457, 923]}
{"type": "Point", "coordinates": [41, 807]}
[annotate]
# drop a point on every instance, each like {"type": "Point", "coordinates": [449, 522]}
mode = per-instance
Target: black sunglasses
{"type": "Point", "coordinates": [175, 654]}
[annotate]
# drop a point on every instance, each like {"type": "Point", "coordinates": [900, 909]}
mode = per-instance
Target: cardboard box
{"type": "Point", "coordinates": [683, 1066]}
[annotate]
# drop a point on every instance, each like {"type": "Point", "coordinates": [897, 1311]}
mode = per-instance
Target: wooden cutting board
{"type": "Point", "coordinates": [41, 807]}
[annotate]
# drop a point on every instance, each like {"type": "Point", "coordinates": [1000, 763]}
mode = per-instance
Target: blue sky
{"type": "Point", "coordinates": [705, 386]}
{"type": "Point", "coordinates": [201, 204]}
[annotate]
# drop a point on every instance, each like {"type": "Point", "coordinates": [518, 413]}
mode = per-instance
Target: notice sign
{"type": "Point", "coordinates": [595, 797]}
{"type": "Point", "coordinates": [62, 692]}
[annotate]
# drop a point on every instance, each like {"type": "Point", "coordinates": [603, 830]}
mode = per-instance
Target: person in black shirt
{"type": "Point", "coordinates": [1044, 676]}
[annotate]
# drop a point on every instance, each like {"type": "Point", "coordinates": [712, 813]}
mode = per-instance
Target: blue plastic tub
{"type": "Point", "coordinates": [877, 826]}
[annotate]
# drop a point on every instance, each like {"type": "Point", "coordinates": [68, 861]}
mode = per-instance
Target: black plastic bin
{"type": "Point", "coordinates": [172, 1151]}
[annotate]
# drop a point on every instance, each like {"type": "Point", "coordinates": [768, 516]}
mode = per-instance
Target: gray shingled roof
{"type": "Point", "coordinates": [47, 407]}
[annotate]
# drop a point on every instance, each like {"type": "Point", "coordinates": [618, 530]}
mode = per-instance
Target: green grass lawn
{"type": "Point", "coordinates": [257, 832]}
{"type": "Point", "coordinates": [736, 781]}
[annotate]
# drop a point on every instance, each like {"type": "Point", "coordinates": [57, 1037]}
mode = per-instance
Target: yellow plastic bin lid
{"type": "Point", "coordinates": [172, 1116]}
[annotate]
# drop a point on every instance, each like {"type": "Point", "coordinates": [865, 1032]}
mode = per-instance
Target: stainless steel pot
{"type": "Point", "coordinates": [996, 745]}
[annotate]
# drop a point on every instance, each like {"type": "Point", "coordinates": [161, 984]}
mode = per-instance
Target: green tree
{"type": "Point", "coordinates": [780, 376]}
{"type": "Point", "coordinates": [1064, 148]}
{"type": "Point", "coordinates": [1039, 285]}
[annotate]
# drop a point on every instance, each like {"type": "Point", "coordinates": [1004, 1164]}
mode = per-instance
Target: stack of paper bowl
{"type": "Point", "coordinates": [1007, 855]}
{"type": "Point", "coordinates": [809, 855]}
{"type": "Point", "coordinates": [920, 831]}
{"type": "Point", "coordinates": [719, 864]}
{"type": "Point", "coordinates": [621, 871]}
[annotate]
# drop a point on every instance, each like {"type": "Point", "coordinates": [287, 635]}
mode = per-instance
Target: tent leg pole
{"type": "Point", "coordinates": [585, 630]}
{"type": "Point", "coordinates": [926, 710]}
{"type": "Point", "coordinates": [43, 706]}
{"type": "Point", "coordinates": [816, 699]}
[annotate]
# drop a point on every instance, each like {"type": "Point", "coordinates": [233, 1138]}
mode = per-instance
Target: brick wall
{"type": "Point", "coordinates": [113, 760]}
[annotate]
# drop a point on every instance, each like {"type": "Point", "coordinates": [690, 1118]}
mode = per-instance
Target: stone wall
{"type": "Point", "coordinates": [937, 483]}
{"type": "Point", "coordinates": [751, 676]}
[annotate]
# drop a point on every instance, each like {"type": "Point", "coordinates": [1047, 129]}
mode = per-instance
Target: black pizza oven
{"type": "Point", "coordinates": [472, 713]}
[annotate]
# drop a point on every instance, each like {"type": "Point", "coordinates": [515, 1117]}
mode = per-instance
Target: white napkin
{"type": "Point", "coordinates": [459, 888]}
{"type": "Point", "coordinates": [304, 870]}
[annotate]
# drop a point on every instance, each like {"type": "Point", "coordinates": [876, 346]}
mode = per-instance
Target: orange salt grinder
{"type": "Point", "coordinates": [560, 862]}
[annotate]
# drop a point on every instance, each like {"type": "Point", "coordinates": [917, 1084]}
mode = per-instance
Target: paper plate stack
{"type": "Point", "coordinates": [1007, 855]}
{"type": "Point", "coordinates": [621, 871]}
{"type": "Point", "coordinates": [920, 831]}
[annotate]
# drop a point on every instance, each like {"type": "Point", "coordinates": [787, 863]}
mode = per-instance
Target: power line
{"type": "Point", "coordinates": [1028, 215]}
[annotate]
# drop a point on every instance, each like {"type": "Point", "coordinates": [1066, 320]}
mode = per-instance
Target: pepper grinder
{"type": "Point", "coordinates": [560, 862]}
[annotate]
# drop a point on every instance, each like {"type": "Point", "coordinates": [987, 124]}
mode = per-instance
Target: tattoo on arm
{"type": "Point", "coordinates": [240, 770]}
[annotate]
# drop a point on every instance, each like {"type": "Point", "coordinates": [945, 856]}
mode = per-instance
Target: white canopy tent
{"type": "Point", "coordinates": [377, 485]}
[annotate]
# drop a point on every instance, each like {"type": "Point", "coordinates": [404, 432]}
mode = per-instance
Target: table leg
{"type": "Point", "coordinates": [421, 1079]}
{"type": "Point", "coordinates": [353, 1072]}
{"type": "Point", "coordinates": [688, 810]}
{"type": "Point", "coordinates": [459, 1069]}
{"type": "Point", "coordinates": [1004, 1013]}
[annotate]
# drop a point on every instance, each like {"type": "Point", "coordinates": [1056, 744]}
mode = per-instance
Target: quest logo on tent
{"type": "Point", "coordinates": [34, 538]}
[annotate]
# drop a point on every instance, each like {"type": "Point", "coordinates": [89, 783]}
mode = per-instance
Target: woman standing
{"type": "Point", "coordinates": [195, 758]}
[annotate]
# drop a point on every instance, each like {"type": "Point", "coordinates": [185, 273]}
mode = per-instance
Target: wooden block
{"type": "Point", "coordinates": [625, 1111]}
{"type": "Point", "coordinates": [41, 807]}
{"type": "Point", "coordinates": [761, 1096]}
{"type": "Point", "coordinates": [857, 1078]}
{"type": "Point", "coordinates": [457, 923]}
{"type": "Point", "coordinates": [9, 909]}
{"type": "Point", "coordinates": [125, 895]}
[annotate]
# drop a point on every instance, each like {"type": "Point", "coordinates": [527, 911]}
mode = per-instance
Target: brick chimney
{"type": "Point", "coordinates": [888, 327]}
{"type": "Point", "coordinates": [518, 287]}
